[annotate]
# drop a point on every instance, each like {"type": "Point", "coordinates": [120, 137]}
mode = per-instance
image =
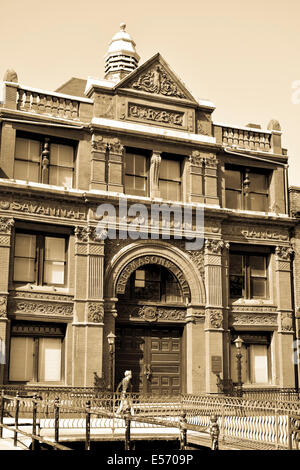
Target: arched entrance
{"type": "Point", "coordinates": [152, 287]}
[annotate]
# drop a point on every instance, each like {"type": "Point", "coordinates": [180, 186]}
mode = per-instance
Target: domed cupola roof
{"type": "Point", "coordinates": [121, 57]}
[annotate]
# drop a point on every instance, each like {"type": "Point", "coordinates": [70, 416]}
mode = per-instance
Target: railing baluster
{"type": "Point", "coordinates": [16, 419]}
{"type": "Point", "coordinates": [183, 430]}
{"type": "Point", "coordinates": [88, 425]}
{"type": "Point", "coordinates": [2, 405]}
{"type": "Point", "coordinates": [127, 429]}
{"type": "Point", "coordinates": [34, 414]}
{"type": "Point", "coordinates": [56, 419]}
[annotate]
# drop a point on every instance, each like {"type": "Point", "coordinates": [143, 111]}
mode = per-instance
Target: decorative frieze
{"type": "Point", "coordinates": [157, 80]}
{"type": "Point", "coordinates": [41, 296]}
{"type": "Point", "coordinates": [249, 319]}
{"type": "Point", "coordinates": [95, 312]}
{"type": "Point", "coordinates": [6, 224]}
{"type": "Point", "coordinates": [149, 313]}
{"type": "Point", "coordinates": [157, 115]}
{"type": "Point", "coordinates": [40, 308]}
{"type": "Point", "coordinates": [255, 232]}
{"type": "Point", "coordinates": [253, 308]}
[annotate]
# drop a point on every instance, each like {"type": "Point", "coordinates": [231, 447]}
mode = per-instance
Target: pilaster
{"type": "Point", "coordinates": [211, 179]}
{"type": "Point", "coordinates": [285, 315]}
{"type": "Point", "coordinates": [196, 193]}
{"type": "Point", "coordinates": [89, 309]}
{"type": "Point", "coordinates": [6, 225]}
{"type": "Point", "coordinates": [98, 163]}
{"type": "Point", "coordinates": [154, 174]}
{"type": "Point", "coordinates": [115, 166]}
{"type": "Point", "coordinates": [214, 322]}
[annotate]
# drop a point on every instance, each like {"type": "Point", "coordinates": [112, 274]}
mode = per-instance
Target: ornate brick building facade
{"type": "Point", "coordinates": [140, 136]}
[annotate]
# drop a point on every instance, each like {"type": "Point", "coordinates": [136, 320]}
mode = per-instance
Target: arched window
{"type": "Point", "coordinates": [155, 283]}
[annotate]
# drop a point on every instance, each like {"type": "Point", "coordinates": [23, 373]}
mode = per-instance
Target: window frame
{"type": "Point", "coordinates": [146, 155]}
{"type": "Point", "coordinates": [247, 289]}
{"type": "Point", "coordinates": [40, 258]}
{"type": "Point", "coordinates": [250, 340]}
{"type": "Point", "coordinates": [245, 188]}
{"type": "Point", "coordinates": [42, 139]}
{"type": "Point", "coordinates": [178, 180]}
{"type": "Point", "coordinates": [36, 352]}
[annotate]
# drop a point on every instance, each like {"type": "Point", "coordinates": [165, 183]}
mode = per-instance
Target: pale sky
{"type": "Point", "coordinates": [243, 56]}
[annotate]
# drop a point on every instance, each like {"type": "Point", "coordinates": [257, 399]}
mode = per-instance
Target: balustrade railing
{"type": "Point", "coordinates": [246, 139]}
{"type": "Point", "coordinates": [49, 103]}
{"type": "Point", "coordinates": [264, 423]}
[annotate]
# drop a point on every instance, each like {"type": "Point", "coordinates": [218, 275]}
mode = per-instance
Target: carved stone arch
{"type": "Point", "coordinates": [161, 250]}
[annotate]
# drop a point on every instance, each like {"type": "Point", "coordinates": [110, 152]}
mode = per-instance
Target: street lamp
{"type": "Point", "coordinates": [238, 343]}
{"type": "Point", "coordinates": [111, 337]}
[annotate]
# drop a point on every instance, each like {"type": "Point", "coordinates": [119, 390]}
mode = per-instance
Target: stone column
{"type": "Point", "coordinates": [154, 174]}
{"type": "Point", "coordinates": [196, 177]}
{"type": "Point", "coordinates": [214, 309]}
{"type": "Point", "coordinates": [285, 316]}
{"type": "Point", "coordinates": [6, 225]}
{"type": "Point", "coordinates": [88, 310]}
{"type": "Point", "coordinates": [115, 166]}
{"type": "Point", "coordinates": [211, 179]}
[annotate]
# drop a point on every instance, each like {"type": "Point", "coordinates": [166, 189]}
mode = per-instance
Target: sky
{"type": "Point", "coordinates": [243, 56]}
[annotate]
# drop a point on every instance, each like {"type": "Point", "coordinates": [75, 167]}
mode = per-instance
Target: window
{"type": "Point", "coordinates": [246, 189]}
{"type": "Point", "coordinates": [136, 174]}
{"type": "Point", "coordinates": [248, 275]}
{"type": "Point", "coordinates": [170, 179]}
{"type": "Point", "coordinates": [36, 353]}
{"type": "Point", "coordinates": [155, 283]}
{"type": "Point", "coordinates": [40, 259]}
{"type": "Point", "coordinates": [256, 358]}
{"type": "Point", "coordinates": [31, 163]}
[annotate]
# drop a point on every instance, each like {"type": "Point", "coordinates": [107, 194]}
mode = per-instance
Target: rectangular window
{"type": "Point", "coordinates": [247, 189]}
{"type": "Point", "coordinates": [170, 179]}
{"type": "Point", "coordinates": [256, 358]}
{"type": "Point", "coordinates": [27, 159]}
{"type": "Point", "coordinates": [248, 275]}
{"type": "Point", "coordinates": [40, 259]}
{"type": "Point", "coordinates": [57, 169]}
{"type": "Point", "coordinates": [35, 359]}
{"type": "Point", "coordinates": [136, 174]}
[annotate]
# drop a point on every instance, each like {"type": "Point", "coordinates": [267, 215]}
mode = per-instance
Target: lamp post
{"type": "Point", "coordinates": [111, 337]}
{"type": "Point", "coordinates": [238, 343]}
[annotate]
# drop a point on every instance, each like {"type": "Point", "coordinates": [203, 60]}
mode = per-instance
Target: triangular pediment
{"type": "Point", "coordinates": [155, 77]}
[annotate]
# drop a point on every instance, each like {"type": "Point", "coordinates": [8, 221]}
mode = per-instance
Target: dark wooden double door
{"type": "Point", "coordinates": [154, 355]}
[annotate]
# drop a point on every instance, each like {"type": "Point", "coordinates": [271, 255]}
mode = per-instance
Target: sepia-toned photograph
{"type": "Point", "coordinates": [149, 229]}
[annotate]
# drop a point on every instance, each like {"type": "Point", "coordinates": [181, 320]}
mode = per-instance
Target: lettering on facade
{"type": "Point", "coordinates": [259, 233]}
{"type": "Point", "coordinates": [147, 113]}
{"type": "Point", "coordinates": [141, 261]}
{"type": "Point", "coordinates": [42, 209]}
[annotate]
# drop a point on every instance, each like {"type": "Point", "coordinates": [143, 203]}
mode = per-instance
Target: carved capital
{"type": "Point", "coordinates": [6, 224]}
{"type": "Point", "coordinates": [211, 161]}
{"type": "Point", "coordinates": [99, 144]}
{"type": "Point", "coordinates": [196, 159]}
{"type": "Point", "coordinates": [82, 233]}
{"type": "Point", "coordinates": [215, 246]}
{"type": "Point", "coordinates": [3, 306]}
{"type": "Point", "coordinates": [95, 312]}
{"type": "Point", "coordinates": [214, 318]}
{"type": "Point", "coordinates": [284, 252]}
{"type": "Point", "coordinates": [285, 322]}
